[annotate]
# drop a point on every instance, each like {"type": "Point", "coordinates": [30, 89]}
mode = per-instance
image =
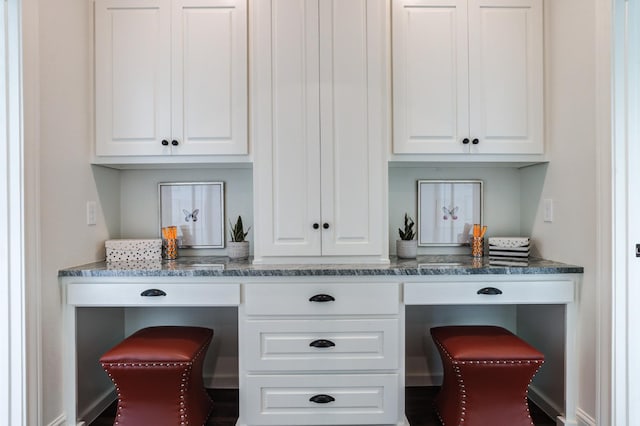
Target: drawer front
{"type": "Point", "coordinates": [507, 292]}
{"type": "Point", "coordinates": [340, 399]}
{"type": "Point", "coordinates": [330, 299]}
{"type": "Point", "coordinates": [179, 294]}
{"type": "Point", "coordinates": [311, 345]}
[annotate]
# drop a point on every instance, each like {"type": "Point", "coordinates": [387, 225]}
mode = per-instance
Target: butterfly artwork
{"type": "Point", "coordinates": [191, 216]}
{"type": "Point", "coordinates": [450, 213]}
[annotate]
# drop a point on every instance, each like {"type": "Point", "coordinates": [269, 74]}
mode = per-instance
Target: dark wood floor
{"type": "Point", "coordinates": [418, 403]}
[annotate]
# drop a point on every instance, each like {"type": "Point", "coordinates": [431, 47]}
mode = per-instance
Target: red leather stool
{"type": "Point", "coordinates": [157, 372]}
{"type": "Point", "coordinates": [487, 371]}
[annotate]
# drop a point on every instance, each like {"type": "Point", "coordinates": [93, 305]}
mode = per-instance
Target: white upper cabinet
{"type": "Point", "coordinates": [468, 76]}
{"type": "Point", "coordinates": [320, 127]}
{"type": "Point", "coordinates": [171, 77]}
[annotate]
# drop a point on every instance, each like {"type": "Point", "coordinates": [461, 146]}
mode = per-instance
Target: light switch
{"type": "Point", "coordinates": [548, 210]}
{"type": "Point", "coordinates": [91, 213]}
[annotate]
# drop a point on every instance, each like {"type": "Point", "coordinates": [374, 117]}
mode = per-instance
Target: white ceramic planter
{"type": "Point", "coordinates": [238, 250]}
{"type": "Point", "coordinates": [407, 249]}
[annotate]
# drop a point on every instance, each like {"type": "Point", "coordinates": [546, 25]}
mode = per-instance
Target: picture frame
{"type": "Point", "coordinates": [196, 209]}
{"type": "Point", "coordinates": [447, 211]}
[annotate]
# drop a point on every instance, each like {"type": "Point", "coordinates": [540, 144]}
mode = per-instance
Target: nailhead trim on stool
{"type": "Point", "coordinates": [157, 373]}
{"type": "Point", "coordinates": [487, 372]}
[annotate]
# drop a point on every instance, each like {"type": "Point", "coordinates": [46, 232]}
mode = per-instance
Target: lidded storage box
{"type": "Point", "coordinates": [133, 250]}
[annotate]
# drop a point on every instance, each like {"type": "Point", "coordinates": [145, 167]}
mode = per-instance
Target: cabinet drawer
{"type": "Point", "coordinates": [490, 293]}
{"type": "Point", "coordinates": [308, 345]}
{"type": "Point", "coordinates": [332, 299]}
{"type": "Point", "coordinates": [178, 294]}
{"type": "Point", "coordinates": [350, 399]}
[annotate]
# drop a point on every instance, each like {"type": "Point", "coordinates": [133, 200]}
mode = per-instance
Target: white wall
{"type": "Point", "coordinates": [58, 118]}
{"type": "Point", "coordinates": [570, 178]}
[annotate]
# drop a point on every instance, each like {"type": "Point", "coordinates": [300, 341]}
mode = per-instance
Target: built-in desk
{"type": "Point", "coordinates": [282, 308]}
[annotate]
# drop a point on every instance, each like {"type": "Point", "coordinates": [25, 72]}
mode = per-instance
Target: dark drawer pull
{"type": "Point", "coordinates": [490, 291]}
{"type": "Point", "coordinates": [153, 292]}
{"type": "Point", "coordinates": [322, 399]}
{"type": "Point", "coordinates": [322, 298]}
{"type": "Point", "coordinates": [322, 343]}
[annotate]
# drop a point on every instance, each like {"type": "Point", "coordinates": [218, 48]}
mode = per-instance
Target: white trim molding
{"type": "Point", "coordinates": [12, 270]}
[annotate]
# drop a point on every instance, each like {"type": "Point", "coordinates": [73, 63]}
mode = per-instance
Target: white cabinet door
{"type": "Point", "coordinates": [286, 130]}
{"type": "Point", "coordinates": [468, 77]}
{"type": "Point", "coordinates": [133, 77]}
{"type": "Point", "coordinates": [171, 77]}
{"type": "Point", "coordinates": [319, 127]}
{"type": "Point", "coordinates": [209, 77]}
{"type": "Point", "coordinates": [353, 125]}
{"type": "Point", "coordinates": [431, 83]}
{"type": "Point", "coordinates": [505, 74]}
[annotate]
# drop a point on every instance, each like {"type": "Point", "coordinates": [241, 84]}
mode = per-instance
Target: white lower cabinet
{"type": "Point", "coordinates": [321, 353]}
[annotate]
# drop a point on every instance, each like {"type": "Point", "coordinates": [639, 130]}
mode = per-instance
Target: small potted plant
{"type": "Point", "coordinates": [406, 246]}
{"type": "Point", "coordinates": [238, 247]}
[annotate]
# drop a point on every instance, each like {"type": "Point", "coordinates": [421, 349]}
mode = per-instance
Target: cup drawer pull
{"type": "Point", "coordinates": [153, 292]}
{"type": "Point", "coordinates": [490, 291]}
{"type": "Point", "coordinates": [322, 298]}
{"type": "Point", "coordinates": [322, 399]}
{"type": "Point", "coordinates": [322, 343]}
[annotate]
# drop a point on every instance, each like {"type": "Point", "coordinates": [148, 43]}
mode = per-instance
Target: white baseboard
{"type": "Point", "coordinates": [59, 421]}
{"type": "Point", "coordinates": [550, 408]}
{"type": "Point", "coordinates": [584, 419]}
{"type": "Point", "coordinates": [100, 404]}
{"type": "Point", "coordinates": [554, 411]}
{"type": "Point", "coordinates": [418, 379]}
{"type": "Point", "coordinates": [221, 381]}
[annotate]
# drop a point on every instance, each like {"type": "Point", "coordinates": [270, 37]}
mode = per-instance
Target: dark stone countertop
{"type": "Point", "coordinates": [215, 266]}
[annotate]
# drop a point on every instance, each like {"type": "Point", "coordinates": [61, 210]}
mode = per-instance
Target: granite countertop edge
{"type": "Point", "coordinates": [217, 266]}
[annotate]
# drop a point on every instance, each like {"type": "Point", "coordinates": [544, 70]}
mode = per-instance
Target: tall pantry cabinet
{"type": "Point", "coordinates": [320, 124]}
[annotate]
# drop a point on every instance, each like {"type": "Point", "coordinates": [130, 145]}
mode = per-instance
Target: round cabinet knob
{"type": "Point", "coordinates": [325, 225]}
{"type": "Point", "coordinates": [316, 225]}
{"type": "Point", "coordinates": [165, 142]}
{"type": "Point", "coordinates": [174, 142]}
{"type": "Point", "coordinates": [465, 141]}
{"type": "Point", "coordinates": [475, 141]}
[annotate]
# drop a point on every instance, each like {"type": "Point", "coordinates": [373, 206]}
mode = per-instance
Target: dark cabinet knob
{"type": "Point", "coordinates": [322, 298]}
{"type": "Point", "coordinates": [475, 141]}
{"type": "Point", "coordinates": [316, 225]}
{"type": "Point", "coordinates": [165, 142]}
{"type": "Point", "coordinates": [325, 225]}
{"type": "Point", "coordinates": [174, 142]}
{"type": "Point", "coordinates": [153, 292]}
{"type": "Point", "coordinates": [491, 291]}
{"type": "Point", "coordinates": [465, 141]}
{"type": "Point", "coordinates": [322, 399]}
{"type": "Point", "coordinates": [322, 343]}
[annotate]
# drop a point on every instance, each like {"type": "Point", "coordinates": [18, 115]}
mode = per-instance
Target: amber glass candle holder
{"type": "Point", "coordinates": [477, 246]}
{"type": "Point", "coordinates": [170, 248]}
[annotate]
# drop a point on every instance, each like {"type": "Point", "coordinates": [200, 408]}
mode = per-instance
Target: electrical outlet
{"type": "Point", "coordinates": [91, 213]}
{"type": "Point", "coordinates": [548, 210]}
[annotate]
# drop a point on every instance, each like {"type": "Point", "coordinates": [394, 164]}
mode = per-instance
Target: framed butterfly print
{"type": "Point", "coordinates": [196, 209]}
{"type": "Point", "coordinates": [447, 211]}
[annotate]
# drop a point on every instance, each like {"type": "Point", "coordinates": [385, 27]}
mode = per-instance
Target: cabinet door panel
{"type": "Point", "coordinates": [210, 77]}
{"type": "Point", "coordinates": [506, 85]}
{"type": "Point", "coordinates": [286, 130]}
{"type": "Point", "coordinates": [431, 91]}
{"type": "Point", "coordinates": [353, 128]}
{"type": "Point", "coordinates": [132, 77]}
